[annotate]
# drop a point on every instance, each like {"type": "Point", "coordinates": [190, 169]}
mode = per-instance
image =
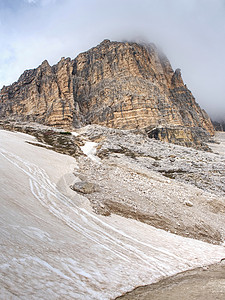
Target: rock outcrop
{"type": "Point", "coordinates": [44, 95]}
{"type": "Point", "coordinates": [84, 187]}
{"type": "Point", "coordinates": [194, 137]}
{"type": "Point", "coordinates": [116, 84]}
{"type": "Point", "coordinates": [48, 137]}
{"type": "Point", "coordinates": [126, 85]}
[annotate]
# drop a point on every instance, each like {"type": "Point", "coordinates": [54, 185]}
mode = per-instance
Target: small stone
{"type": "Point", "coordinates": [188, 203]}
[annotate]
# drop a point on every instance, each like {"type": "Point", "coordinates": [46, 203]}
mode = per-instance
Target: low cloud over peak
{"type": "Point", "coordinates": [190, 32]}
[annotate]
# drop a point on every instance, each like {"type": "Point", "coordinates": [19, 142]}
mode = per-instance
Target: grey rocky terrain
{"type": "Point", "coordinates": [171, 187]}
{"type": "Point", "coordinates": [179, 189]}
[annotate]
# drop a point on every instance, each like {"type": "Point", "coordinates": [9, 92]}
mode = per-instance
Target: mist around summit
{"type": "Point", "coordinates": [191, 33]}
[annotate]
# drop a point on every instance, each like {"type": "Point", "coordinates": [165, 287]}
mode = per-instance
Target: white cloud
{"type": "Point", "coordinates": [41, 2]}
{"type": "Point", "coordinates": [31, 1]}
{"type": "Point", "coordinates": [47, 2]}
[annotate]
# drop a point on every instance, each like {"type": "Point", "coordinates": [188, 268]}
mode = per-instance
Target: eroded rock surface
{"type": "Point", "coordinates": [171, 187]}
{"type": "Point", "coordinates": [115, 84]}
{"type": "Point", "coordinates": [48, 137]}
{"type": "Point", "coordinates": [43, 95]}
{"type": "Point", "coordinates": [195, 137]}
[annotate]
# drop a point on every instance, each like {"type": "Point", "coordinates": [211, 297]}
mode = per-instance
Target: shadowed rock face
{"type": "Point", "coordinates": [194, 137]}
{"type": "Point", "coordinates": [120, 85]}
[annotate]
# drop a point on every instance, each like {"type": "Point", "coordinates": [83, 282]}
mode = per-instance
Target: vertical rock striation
{"type": "Point", "coordinates": [115, 84]}
{"type": "Point", "coordinates": [44, 95]}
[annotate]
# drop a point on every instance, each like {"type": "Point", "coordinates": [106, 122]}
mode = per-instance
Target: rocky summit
{"type": "Point", "coordinates": [121, 85]}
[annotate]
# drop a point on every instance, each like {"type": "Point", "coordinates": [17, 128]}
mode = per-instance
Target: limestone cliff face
{"type": "Point", "coordinates": [44, 95]}
{"type": "Point", "coordinates": [121, 85]}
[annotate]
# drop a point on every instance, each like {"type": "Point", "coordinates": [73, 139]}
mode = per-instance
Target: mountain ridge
{"type": "Point", "coordinates": [121, 85]}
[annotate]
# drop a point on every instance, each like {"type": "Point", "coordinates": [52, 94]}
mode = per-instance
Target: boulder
{"type": "Point", "coordinates": [85, 187]}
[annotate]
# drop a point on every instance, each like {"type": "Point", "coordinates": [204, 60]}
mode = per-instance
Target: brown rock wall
{"type": "Point", "coordinates": [121, 85]}
{"type": "Point", "coordinates": [44, 95]}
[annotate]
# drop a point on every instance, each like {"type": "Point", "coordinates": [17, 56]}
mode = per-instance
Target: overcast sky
{"type": "Point", "coordinates": [190, 32]}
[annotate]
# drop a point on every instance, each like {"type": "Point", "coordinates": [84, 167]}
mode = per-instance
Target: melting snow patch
{"type": "Point", "coordinates": [91, 256]}
{"type": "Point", "coordinates": [74, 133]}
{"type": "Point", "coordinates": [48, 266]}
{"type": "Point", "coordinates": [89, 149]}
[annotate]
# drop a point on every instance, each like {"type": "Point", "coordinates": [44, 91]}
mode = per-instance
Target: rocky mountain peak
{"type": "Point", "coordinates": [105, 42]}
{"type": "Point", "coordinates": [177, 78]}
{"type": "Point", "coordinates": [123, 85]}
{"type": "Point", "coordinates": [45, 64]}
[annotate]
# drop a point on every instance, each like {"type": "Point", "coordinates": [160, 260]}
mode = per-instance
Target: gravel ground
{"type": "Point", "coordinates": [171, 187]}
